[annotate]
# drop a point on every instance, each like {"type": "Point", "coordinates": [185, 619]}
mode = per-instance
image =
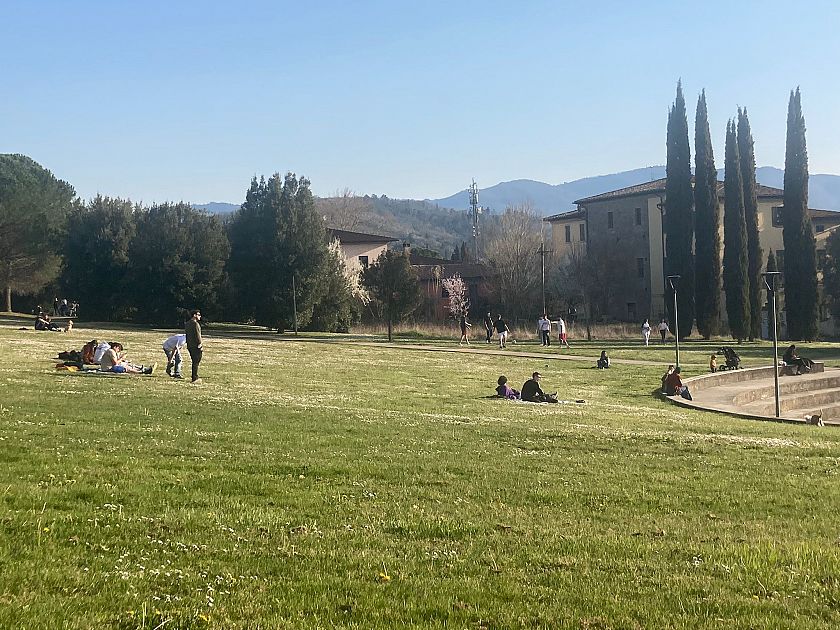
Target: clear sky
{"type": "Point", "coordinates": [171, 100]}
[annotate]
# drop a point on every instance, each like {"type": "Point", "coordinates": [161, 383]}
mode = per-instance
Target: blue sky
{"type": "Point", "coordinates": [185, 100]}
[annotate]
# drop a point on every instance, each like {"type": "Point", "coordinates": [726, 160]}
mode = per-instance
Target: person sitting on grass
{"type": "Point", "coordinates": [532, 392]}
{"type": "Point", "coordinates": [604, 362]}
{"type": "Point", "coordinates": [506, 391]}
{"type": "Point", "coordinates": [674, 385]}
{"type": "Point", "coordinates": [791, 358]}
{"type": "Point", "coordinates": [713, 363]}
{"type": "Point", "coordinates": [43, 322]}
{"type": "Point", "coordinates": [665, 376]}
{"type": "Point", "coordinates": [114, 360]}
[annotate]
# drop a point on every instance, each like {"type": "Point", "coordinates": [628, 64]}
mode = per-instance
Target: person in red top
{"type": "Point", "coordinates": [674, 385]}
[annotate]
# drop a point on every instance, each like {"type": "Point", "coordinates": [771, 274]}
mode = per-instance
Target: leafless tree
{"type": "Point", "coordinates": [345, 210]}
{"type": "Point", "coordinates": [512, 244]}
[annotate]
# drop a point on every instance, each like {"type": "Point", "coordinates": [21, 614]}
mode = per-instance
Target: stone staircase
{"type": "Point", "coordinates": [750, 392]}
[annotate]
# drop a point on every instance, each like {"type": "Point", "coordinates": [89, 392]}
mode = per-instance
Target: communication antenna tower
{"type": "Point", "coordinates": [475, 210]}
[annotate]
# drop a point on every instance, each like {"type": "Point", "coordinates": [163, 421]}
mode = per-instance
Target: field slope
{"type": "Point", "coordinates": [314, 485]}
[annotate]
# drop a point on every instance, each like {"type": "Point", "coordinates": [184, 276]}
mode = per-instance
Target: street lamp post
{"type": "Point", "coordinates": [672, 281]}
{"type": "Point", "coordinates": [770, 284]}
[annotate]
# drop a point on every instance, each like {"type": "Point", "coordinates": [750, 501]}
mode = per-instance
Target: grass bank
{"type": "Point", "coordinates": [311, 485]}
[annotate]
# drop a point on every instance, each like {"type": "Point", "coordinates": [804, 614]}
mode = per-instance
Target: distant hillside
{"type": "Point", "coordinates": [217, 207]}
{"type": "Point", "coordinates": [551, 199]}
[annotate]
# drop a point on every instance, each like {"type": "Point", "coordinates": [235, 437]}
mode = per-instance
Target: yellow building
{"type": "Point", "coordinates": [628, 222]}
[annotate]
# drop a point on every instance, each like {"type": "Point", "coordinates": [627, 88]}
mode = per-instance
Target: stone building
{"type": "Point", "coordinates": [623, 229]}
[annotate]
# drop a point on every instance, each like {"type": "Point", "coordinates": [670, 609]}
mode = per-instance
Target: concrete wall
{"type": "Point", "coordinates": [353, 251]}
{"type": "Point", "coordinates": [563, 249]}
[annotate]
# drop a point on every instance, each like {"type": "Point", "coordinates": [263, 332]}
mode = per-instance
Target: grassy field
{"type": "Point", "coordinates": [317, 485]}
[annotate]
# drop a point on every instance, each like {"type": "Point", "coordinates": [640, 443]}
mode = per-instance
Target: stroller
{"type": "Point", "coordinates": [733, 361]}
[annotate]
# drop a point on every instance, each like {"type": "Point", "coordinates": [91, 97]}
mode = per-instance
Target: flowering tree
{"type": "Point", "coordinates": [459, 303]}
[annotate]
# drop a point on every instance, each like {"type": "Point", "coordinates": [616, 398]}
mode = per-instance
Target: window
{"type": "Point", "coordinates": [780, 260]}
{"type": "Point", "coordinates": [640, 267]}
{"type": "Point", "coordinates": [777, 216]}
{"type": "Point", "coordinates": [582, 232]}
{"type": "Point", "coordinates": [631, 311]}
{"type": "Point", "coordinates": [363, 262]}
{"type": "Point", "coordinates": [610, 220]}
{"type": "Point", "coordinates": [568, 233]}
{"type": "Point", "coordinates": [638, 216]}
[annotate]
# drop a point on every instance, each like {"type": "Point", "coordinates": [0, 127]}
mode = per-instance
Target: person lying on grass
{"type": "Point", "coordinates": [114, 360]}
{"type": "Point", "coordinates": [532, 392]}
{"type": "Point", "coordinates": [506, 391]}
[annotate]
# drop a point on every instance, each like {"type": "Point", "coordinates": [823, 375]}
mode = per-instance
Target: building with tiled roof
{"type": "Point", "coordinates": [430, 271]}
{"type": "Point", "coordinates": [360, 249]}
{"type": "Point", "coordinates": [624, 226]}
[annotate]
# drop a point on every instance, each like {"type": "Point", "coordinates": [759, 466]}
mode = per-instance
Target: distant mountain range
{"type": "Point", "coordinates": [824, 190]}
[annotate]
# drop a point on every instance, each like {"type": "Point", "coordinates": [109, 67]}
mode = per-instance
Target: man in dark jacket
{"type": "Point", "coordinates": [488, 326]}
{"type": "Point", "coordinates": [532, 392]}
{"type": "Point", "coordinates": [193, 330]}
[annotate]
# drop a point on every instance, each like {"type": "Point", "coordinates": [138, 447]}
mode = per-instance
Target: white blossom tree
{"type": "Point", "coordinates": [459, 301]}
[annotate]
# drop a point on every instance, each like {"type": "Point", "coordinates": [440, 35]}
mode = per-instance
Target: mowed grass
{"type": "Point", "coordinates": [317, 485]}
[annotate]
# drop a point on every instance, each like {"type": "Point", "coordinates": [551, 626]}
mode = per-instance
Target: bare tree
{"type": "Point", "coordinates": [512, 245]}
{"type": "Point", "coordinates": [345, 210]}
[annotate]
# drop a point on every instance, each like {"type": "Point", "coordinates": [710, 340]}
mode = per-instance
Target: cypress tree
{"type": "Point", "coordinates": [755, 256]}
{"type": "Point", "coordinates": [736, 281]}
{"type": "Point", "coordinates": [679, 214]}
{"type": "Point", "coordinates": [707, 217]}
{"type": "Point", "coordinates": [800, 249]}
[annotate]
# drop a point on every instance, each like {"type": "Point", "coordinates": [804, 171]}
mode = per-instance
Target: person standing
{"type": "Point", "coordinates": [172, 348]}
{"type": "Point", "coordinates": [663, 329]}
{"type": "Point", "coordinates": [192, 329]}
{"type": "Point", "coordinates": [488, 326]}
{"type": "Point", "coordinates": [646, 332]}
{"type": "Point", "coordinates": [544, 327]}
{"type": "Point", "coordinates": [561, 332]}
{"type": "Point", "coordinates": [464, 325]}
{"type": "Point", "coordinates": [502, 329]}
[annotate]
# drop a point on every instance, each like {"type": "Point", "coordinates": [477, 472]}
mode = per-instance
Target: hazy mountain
{"type": "Point", "coordinates": [217, 207]}
{"type": "Point", "coordinates": [551, 199]}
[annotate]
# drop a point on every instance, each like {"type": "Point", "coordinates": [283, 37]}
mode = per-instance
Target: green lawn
{"type": "Point", "coordinates": [318, 485]}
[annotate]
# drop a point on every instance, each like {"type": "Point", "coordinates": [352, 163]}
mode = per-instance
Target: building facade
{"type": "Point", "coordinates": [623, 228]}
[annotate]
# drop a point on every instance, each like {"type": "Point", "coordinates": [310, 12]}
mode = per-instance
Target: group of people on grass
{"type": "Point", "coordinates": [662, 327]}
{"type": "Point", "coordinates": [111, 357]}
{"type": "Point", "coordinates": [530, 392]}
{"type": "Point", "coordinates": [499, 326]}
{"type": "Point", "coordinates": [43, 321]}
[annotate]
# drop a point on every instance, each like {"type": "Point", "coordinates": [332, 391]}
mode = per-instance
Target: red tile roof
{"type": "Point", "coordinates": [658, 187]}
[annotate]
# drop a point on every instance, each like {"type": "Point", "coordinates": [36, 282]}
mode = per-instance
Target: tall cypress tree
{"type": "Point", "coordinates": [755, 256]}
{"type": "Point", "coordinates": [736, 280]}
{"type": "Point", "coordinates": [679, 214]}
{"type": "Point", "coordinates": [707, 230]}
{"type": "Point", "coordinates": [800, 250]}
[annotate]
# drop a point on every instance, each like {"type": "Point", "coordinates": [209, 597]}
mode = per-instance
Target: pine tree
{"type": "Point", "coordinates": [755, 256]}
{"type": "Point", "coordinates": [801, 298]}
{"type": "Point", "coordinates": [679, 214]}
{"type": "Point", "coordinates": [278, 244]}
{"type": "Point", "coordinates": [707, 230]}
{"type": "Point", "coordinates": [736, 281]}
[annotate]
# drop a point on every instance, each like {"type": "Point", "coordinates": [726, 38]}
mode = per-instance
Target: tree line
{"type": "Point", "coordinates": [692, 228]}
{"type": "Point", "coordinates": [273, 263]}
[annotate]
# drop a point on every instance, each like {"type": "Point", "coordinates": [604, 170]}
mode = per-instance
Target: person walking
{"type": "Point", "coordinates": [192, 329]}
{"type": "Point", "coordinates": [502, 329]}
{"type": "Point", "coordinates": [464, 326]}
{"type": "Point", "coordinates": [663, 329]}
{"type": "Point", "coordinates": [488, 326]}
{"type": "Point", "coordinates": [544, 328]}
{"type": "Point", "coordinates": [561, 332]}
{"type": "Point", "coordinates": [646, 332]}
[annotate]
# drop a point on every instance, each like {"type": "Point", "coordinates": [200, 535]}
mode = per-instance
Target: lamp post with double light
{"type": "Point", "coordinates": [769, 278]}
{"type": "Point", "coordinates": [672, 282]}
